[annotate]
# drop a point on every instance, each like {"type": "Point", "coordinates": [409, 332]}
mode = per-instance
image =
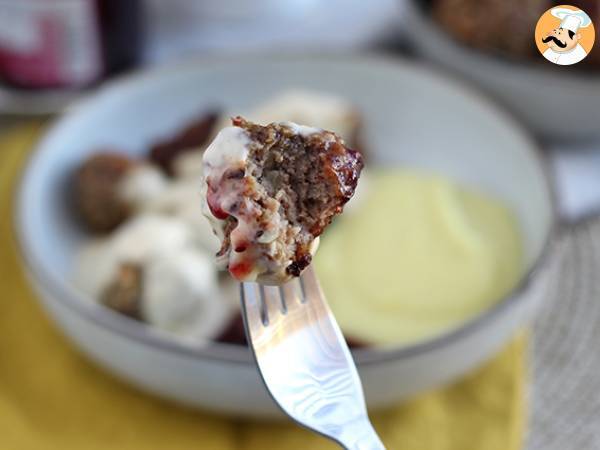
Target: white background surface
{"type": "Point", "coordinates": [577, 170]}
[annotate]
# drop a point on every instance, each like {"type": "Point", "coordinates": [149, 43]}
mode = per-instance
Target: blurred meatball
{"type": "Point", "coordinates": [97, 200]}
{"type": "Point", "coordinates": [124, 293]}
{"type": "Point", "coordinates": [505, 25]}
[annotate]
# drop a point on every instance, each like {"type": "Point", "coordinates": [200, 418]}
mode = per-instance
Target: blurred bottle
{"type": "Point", "coordinates": [67, 43]}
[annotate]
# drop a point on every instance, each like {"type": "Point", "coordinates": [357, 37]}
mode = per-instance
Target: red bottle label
{"type": "Point", "coordinates": [47, 44]}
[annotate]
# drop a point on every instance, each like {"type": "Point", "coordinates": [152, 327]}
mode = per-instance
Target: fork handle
{"type": "Point", "coordinates": [360, 435]}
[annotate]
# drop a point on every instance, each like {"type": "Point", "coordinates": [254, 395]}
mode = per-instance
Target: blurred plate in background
{"type": "Point", "coordinates": [555, 102]}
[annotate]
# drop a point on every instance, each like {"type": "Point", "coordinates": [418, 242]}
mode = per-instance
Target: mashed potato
{"type": "Point", "coordinates": [421, 255]}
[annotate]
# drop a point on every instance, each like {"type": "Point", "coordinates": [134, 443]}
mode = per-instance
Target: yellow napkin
{"type": "Point", "coordinates": [51, 398]}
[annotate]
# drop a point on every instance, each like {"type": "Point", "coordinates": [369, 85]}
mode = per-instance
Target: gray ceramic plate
{"type": "Point", "coordinates": [558, 102]}
{"type": "Point", "coordinates": [414, 118]}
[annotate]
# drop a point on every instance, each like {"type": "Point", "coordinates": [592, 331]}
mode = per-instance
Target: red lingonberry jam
{"type": "Point", "coordinates": [240, 270]}
{"type": "Point", "coordinates": [241, 247]}
{"type": "Point", "coordinates": [212, 198]}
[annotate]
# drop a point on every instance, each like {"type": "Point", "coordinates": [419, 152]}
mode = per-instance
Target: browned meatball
{"type": "Point", "coordinates": [124, 293]}
{"type": "Point", "coordinates": [502, 25]}
{"type": "Point", "coordinates": [505, 26]}
{"type": "Point", "coordinates": [96, 191]}
{"type": "Point", "coordinates": [271, 204]}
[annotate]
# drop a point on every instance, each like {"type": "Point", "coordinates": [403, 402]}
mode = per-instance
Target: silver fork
{"type": "Point", "coordinates": [304, 360]}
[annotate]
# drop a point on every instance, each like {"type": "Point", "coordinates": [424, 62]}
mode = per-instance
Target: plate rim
{"type": "Point", "coordinates": [144, 334]}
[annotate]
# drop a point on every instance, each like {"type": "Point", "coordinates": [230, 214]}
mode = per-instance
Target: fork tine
{"type": "Point", "coordinates": [272, 302]}
{"type": "Point", "coordinates": [251, 305]}
{"type": "Point", "coordinates": [311, 289]}
{"type": "Point", "coordinates": [317, 384]}
{"type": "Point", "coordinates": [284, 308]}
{"type": "Point", "coordinates": [291, 293]}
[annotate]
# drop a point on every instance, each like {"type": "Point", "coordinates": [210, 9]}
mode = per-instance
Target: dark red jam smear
{"type": "Point", "coordinates": [214, 203]}
{"type": "Point", "coordinates": [192, 137]}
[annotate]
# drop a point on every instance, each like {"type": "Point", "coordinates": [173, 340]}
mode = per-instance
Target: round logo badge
{"type": "Point", "coordinates": [564, 35]}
